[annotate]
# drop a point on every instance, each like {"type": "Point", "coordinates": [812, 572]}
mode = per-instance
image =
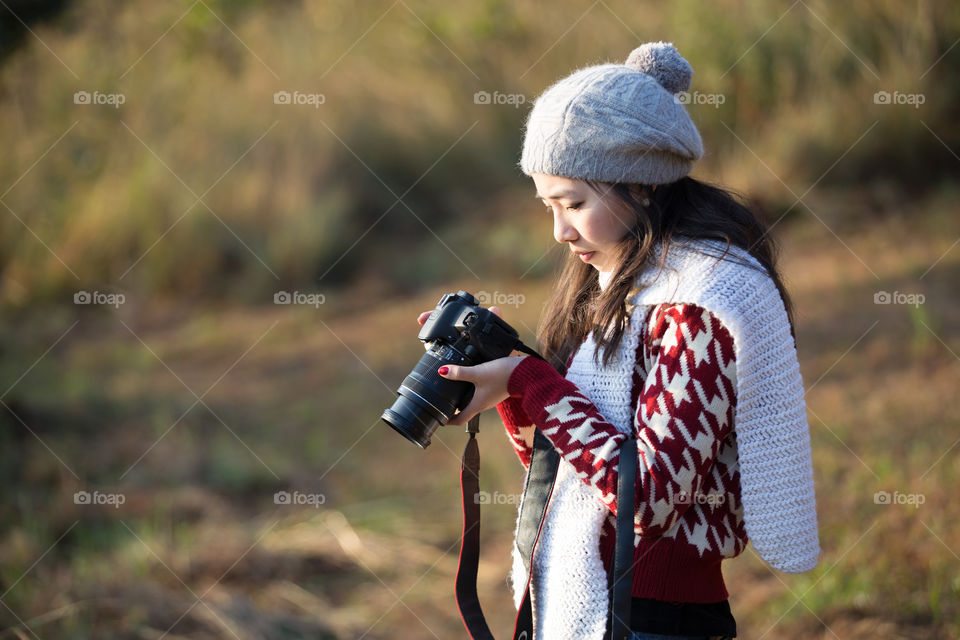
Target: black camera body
{"type": "Point", "coordinates": [459, 331]}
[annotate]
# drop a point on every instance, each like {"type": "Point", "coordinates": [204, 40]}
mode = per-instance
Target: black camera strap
{"type": "Point", "coordinates": [622, 588]}
{"type": "Point", "coordinates": [466, 590]}
{"type": "Point", "coordinates": [541, 477]}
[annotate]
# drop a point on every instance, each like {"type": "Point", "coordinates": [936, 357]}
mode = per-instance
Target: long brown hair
{"type": "Point", "coordinates": [687, 208]}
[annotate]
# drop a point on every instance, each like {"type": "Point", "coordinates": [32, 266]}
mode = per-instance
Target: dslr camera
{"type": "Point", "coordinates": [459, 331]}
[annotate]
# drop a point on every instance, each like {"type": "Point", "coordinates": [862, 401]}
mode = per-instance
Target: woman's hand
{"type": "Point", "coordinates": [489, 379]}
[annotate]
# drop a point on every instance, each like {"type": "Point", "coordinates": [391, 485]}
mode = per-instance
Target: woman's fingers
{"type": "Point", "coordinates": [464, 374]}
{"type": "Point", "coordinates": [490, 381]}
{"type": "Point", "coordinates": [475, 406]}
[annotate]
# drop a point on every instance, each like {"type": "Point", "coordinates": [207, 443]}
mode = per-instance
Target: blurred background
{"type": "Point", "coordinates": [220, 219]}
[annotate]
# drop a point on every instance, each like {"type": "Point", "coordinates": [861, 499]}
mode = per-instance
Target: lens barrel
{"type": "Point", "coordinates": [426, 400]}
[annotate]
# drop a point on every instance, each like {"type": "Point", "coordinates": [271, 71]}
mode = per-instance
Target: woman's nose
{"type": "Point", "coordinates": [562, 231]}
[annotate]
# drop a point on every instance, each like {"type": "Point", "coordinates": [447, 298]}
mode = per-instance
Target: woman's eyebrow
{"type": "Point", "coordinates": [557, 195]}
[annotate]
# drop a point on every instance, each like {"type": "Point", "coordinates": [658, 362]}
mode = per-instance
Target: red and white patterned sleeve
{"type": "Point", "coordinates": [519, 426]}
{"type": "Point", "coordinates": [683, 413]}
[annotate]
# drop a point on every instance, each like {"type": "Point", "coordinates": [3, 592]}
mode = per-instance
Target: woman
{"type": "Point", "coordinates": [670, 320]}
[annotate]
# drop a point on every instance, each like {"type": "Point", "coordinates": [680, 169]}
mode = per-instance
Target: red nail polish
{"type": "Point", "coordinates": [443, 370]}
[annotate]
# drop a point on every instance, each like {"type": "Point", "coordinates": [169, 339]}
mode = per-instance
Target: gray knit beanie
{"type": "Point", "coordinates": [616, 122]}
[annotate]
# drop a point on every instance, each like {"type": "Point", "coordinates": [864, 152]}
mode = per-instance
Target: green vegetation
{"type": "Point", "coordinates": [293, 187]}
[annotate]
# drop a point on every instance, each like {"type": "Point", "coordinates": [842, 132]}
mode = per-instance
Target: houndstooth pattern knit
{"type": "Point", "coordinates": [772, 442]}
{"type": "Point", "coordinates": [773, 439]}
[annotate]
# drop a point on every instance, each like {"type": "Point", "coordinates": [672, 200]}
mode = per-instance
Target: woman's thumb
{"type": "Point", "coordinates": [496, 310]}
{"type": "Point", "coordinates": [451, 371]}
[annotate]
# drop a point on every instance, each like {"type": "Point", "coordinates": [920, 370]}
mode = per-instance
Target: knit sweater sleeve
{"type": "Point", "coordinates": [519, 426]}
{"type": "Point", "coordinates": [683, 412]}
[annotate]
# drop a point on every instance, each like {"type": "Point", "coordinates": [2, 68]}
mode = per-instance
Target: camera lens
{"type": "Point", "coordinates": [426, 400]}
{"type": "Point", "coordinates": [409, 419]}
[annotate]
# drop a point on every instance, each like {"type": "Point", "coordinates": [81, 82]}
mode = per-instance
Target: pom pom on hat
{"type": "Point", "coordinates": [662, 61]}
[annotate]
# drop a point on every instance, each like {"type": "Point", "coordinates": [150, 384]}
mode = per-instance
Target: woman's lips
{"type": "Point", "coordinates": [585, 256]}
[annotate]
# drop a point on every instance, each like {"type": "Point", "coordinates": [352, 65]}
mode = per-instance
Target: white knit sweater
{"type": "Point", "coordinates": [569, 587]}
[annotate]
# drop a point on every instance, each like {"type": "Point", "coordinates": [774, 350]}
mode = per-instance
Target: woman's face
{"type": "Point", "coordinates": [590, 223]}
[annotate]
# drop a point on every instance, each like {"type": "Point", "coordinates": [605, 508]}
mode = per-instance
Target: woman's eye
{"type": "Point", "coordinates": [575, 207]}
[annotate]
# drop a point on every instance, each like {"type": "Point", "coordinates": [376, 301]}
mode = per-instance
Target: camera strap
{"type": "Point", "coordinates": [541, 477]}
{"type": "Point", "coordinates": [466, 590]}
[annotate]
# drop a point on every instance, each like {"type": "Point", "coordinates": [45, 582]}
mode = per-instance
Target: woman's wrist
{"type": "Point", "coordinates": [528, 370]}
